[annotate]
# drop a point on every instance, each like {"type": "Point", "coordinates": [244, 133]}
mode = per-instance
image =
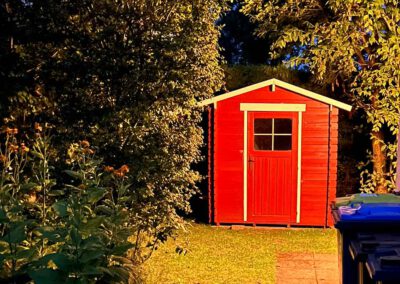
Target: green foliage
{"type": "Point", "coordinates": [352, 46]}
{"type": "Point", "coordinates": [126, 75]}
{"type": "Point", "coordinates": [369, 180]}
{"type": "Point", "coordinates": [80, 231]}
{"type": "Point", "coordinates": [239, 76]}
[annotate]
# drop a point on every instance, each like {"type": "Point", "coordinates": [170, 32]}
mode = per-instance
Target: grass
{"type": "Point", "coordinates": [220, 255]}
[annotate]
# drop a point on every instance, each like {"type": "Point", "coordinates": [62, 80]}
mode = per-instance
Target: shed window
{"type": "Point", "coordinates": [273, 134]}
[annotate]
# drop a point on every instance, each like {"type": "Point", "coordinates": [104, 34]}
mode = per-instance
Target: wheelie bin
{"type": "Point", "coordinates": [357, 218]}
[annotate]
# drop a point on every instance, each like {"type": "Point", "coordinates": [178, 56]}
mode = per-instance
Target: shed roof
{"type": "Point", "coordinates": [283, 85]}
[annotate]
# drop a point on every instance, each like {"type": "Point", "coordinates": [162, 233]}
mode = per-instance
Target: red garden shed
{"type": "Point", "coordinates": [272, 155]}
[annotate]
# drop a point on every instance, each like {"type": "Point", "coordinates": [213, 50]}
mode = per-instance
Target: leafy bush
{"type": "Point", "coordinates": [126, 75]}
{"type": "Point", "coordinates": [74, 232]}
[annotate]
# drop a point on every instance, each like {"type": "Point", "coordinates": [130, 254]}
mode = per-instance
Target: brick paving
{"type": "Point", "coordinates": [307, 268]}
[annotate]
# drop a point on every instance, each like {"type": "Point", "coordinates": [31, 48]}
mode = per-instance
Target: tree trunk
{"type": "Point", "coordinates": [379, 161]}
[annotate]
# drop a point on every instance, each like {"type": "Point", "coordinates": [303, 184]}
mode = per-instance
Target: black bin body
{"type": "Point", "coordinates": [384, 267]}
{"type": "Point", "coordinates": [370, 219]}
{"type": "Point", "coordinates": [372, 245]}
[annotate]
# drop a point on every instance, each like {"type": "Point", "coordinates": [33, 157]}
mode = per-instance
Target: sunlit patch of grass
{"type": "Point", "coordinates": [220, 255]}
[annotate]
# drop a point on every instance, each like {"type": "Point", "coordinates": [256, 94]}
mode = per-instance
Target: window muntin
{"type": "Point", "coordinates": [272, 134]}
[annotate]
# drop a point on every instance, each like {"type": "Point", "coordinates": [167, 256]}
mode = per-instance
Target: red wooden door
{"type": "Point", "coordinates": [272, 156]}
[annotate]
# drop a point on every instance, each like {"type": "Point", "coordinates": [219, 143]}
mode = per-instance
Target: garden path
{"type": "Point", "coordinates": [307, 268]}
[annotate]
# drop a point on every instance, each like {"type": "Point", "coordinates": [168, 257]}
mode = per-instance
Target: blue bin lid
{"type": "Point", "coordinates": [366, 198]}
{"type": "Point", "coordinates": [370, 211]}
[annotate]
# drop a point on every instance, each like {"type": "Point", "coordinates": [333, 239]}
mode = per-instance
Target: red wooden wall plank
{"type": "Point", "coordinates": [209, 163]}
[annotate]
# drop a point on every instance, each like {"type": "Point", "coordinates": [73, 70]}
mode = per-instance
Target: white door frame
{"type": "Point", "coordinates": [299, 108]}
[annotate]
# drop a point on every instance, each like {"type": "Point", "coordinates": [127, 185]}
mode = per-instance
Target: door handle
{"type": "Point", "coordinates": [251, 161]}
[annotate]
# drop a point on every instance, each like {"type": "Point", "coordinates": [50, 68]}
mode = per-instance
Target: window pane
{"type": "Point", "coordinates": [283, 125]}
{"type": "Point", "coordinates": [263, 142]}
{"type": "Point", "coordinates": [262, 125]}
{"type": "Point", "coordinates": [283, 142]}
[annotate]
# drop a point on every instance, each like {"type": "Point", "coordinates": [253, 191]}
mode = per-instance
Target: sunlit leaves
{"type": "Point", "coordinates": [353, 46]}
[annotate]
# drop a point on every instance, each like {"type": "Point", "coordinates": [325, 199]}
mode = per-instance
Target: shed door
{"type": "Point", "coordinates": [272, 154]}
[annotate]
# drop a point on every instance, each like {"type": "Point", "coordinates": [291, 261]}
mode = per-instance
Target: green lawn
{"type": "Point", "coordinates": [221, 255]}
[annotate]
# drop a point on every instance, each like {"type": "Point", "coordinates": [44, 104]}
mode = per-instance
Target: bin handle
{"type": "Point", "coordinates": [357, 204]}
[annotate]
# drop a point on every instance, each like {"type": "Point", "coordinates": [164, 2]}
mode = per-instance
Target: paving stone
{"type": "Point", "coordinates": [238, 227]}
{"type": "Point", "coordinates": [306, 268]}
{"type": "Point", "coordinates": [327, 274]}
{"type": "Point", "coordinates": [325, 256]}
{"type": "Point", "coordinates": [296, 281]}
{"type": "Point", "coordinates": [294, 273]}
{"type": "Point", "coordinates": [322, 281]}
{"type": "Point", "coordinates": [297, 256]}
{"type": "Point", "coordinates": [295, 263]}
{"type": "Point", "coordinates": [332, 265]}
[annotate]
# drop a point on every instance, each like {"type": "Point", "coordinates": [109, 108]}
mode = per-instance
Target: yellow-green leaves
{"type": "Point", "coordinates": [352, 45]}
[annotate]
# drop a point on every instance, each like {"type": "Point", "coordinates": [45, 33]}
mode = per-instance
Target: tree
{"type": "Point", "coordinates": [127, 76]}
{"type": "Point", "coordinates": [238, 42]}
{"type": "Point", "coordinates": [352, 46]}
{"type": "Point", "coordinates": [239, 76]}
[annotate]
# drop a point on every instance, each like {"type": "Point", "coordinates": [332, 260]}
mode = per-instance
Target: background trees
{"type": "Point", "coordinates": [239, 44]}
{"type": "Point", "coordinates": [352, 46]}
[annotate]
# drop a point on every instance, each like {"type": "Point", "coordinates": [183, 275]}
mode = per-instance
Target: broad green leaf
{"type": "Point", "coordinates": [28, 186]}
{"type": "Point", "coordinates": [16, 235]}
{"type": "Point", "coordinates": [2, 258]}
{"type": "Point", "coordinates": [91, 255]}
{"type": "Point", "coordinates": [104, 209]}
{"type": "Point", "coordinates": [94, 223]}
{"type": "Point", "coordinates": [123, 189]}
{"type": "Point", "coordinates": [122, 249]}
{"type": "Point", "coordinates": [26, 253]}
{"type": "Point", "coordinates": [91, 270]}
{"type": "Point", "coordinates": [47, 276]}
{"type": "Point", "coordinates": [75, 236]}
{"type": "Point", "coordinates": [74, 174]}
{"type": "Point", "coordinates": [96, 194]}
{"type": "Point", "coordinates": [92, 243]}
{"type": "Point", "coordinates": [61, 208]}
{"type": "Point", "coordinates": [51, 233]}
{"type": "Point", "coordinates": [3, 216]}
{"type": "Point", "coordinates": [56, 192]}
{"type": "Point", "coordinates": [63, 261]}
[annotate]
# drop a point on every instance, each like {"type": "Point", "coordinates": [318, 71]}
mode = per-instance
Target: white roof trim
{"type": "Point", "coordinates": [283, 85]}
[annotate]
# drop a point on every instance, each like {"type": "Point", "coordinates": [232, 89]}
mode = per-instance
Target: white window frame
{"type": "Point", "coordinates": [273, 134]}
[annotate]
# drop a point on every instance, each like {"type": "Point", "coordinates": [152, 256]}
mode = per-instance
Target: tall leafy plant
{"type": "Point", "coordinates": [94, 222]}
{"type": "Point", "coordinates": [80, 231]}
{"type": "Point", "coordinates": [16, 245]}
